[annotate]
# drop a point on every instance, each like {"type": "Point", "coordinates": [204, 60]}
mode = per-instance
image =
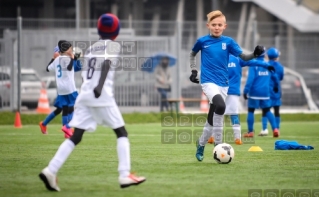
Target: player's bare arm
{"type": "Point", "coordinates": [104, 71]}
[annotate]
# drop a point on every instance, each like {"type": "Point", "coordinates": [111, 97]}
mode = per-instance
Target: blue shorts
{"type": "Point", "coordinates": [66, 100]}
{"type": "Point", "coordinates": [275, 102]}
{"type": "Point", "coordinates": [256, 103]}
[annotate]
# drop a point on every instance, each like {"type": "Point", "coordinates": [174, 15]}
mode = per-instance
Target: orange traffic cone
{"type": "Point", "coordinates": [43, 104]}
{"type": "Point", "coordinates": [17, 121]}
{"type": "Point", "coordinates": [181, 105]}
{"type": "Point", "coordinates": [204, 105]}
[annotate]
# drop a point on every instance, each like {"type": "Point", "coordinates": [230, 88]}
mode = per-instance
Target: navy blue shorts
{"type": "Point", "coordinates": [66, 100]}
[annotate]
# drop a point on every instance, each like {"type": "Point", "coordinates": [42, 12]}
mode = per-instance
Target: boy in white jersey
{"type": "Point", "coordinates": [64, 77]}
{"type": "Point", "coordinates": [215, 49]}
{"type": "Point", "coordinates": [96, 105]}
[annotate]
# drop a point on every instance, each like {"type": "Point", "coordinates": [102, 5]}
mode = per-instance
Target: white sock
{"type": "Point", "coordinates": [237, 131]}
{"type": "Point", "coordinates": [207, 133]}
{"type": "Point", "coordinates": [61, 156]}
{"type": "Point", "coordinates": [218, 126]}
{"type": "Point", "coordinates": [123, 153]}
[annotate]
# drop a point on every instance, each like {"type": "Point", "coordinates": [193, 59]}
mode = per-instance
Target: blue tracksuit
{"type": "Point", "coordinates": [276, 97]}
{"type": "Point", "coordinates": [258, 90]}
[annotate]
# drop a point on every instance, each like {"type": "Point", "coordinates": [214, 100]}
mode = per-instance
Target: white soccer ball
{"type": "Point", "coordinates": [223, 153]}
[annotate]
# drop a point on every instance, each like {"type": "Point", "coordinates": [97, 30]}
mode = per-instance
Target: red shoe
{"type": "Point", "coordinates": [43, 128]}
{"type": "Point", "coordinates": [249, 134]}
{"type": "Point", "coordinates": [210, 140]}
{"type": "Point", "coordinates": [67, 132]}
{"type": "Point", "coordinates": [276, 133]}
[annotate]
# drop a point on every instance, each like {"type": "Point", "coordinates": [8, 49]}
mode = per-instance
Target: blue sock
{"type": "Point", "coordinates": [64, 120]}
{"type": "Point", "coordinates": [271, 119]}
{"type": "Point", "coordinates": [250, 121]}
{"type": "Point", "coordinates": [48, 118]}
{"type": "Point", "coordinates": [277, 121]}
{"type": "Point", "coordinates": [70, 116]}
{"type": "Point", "coordinates": [264, 120]}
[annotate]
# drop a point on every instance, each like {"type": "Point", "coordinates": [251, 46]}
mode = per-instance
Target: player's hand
{"type": "Point", "coordinates": [259, 50]}
{"type": "Point", "coordinates": [97, 92]}
{"type": "Point", "coordinates": [271, 68]}
{"type": "Point", "coordinates": [193, 77]}
{"type": "Point", "coordinates": [275, 89]}
{"type": "Point", "coordinates": [245, 96]}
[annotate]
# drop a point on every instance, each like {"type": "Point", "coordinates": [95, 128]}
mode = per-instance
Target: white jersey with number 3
{"type": "Point", "coordinates": [63, 77]}
{"type": "Point", "coordinates": [91, 72]}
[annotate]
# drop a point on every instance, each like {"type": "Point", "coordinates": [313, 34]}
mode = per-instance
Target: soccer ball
{"type": "Point", "coordinates": [223, 153]}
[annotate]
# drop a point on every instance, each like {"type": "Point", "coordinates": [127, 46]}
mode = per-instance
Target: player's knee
{"type": "Point", "coordinates": [121, 132]}
{"type": "Point", "coordinates": [77, 136]}
{"type": "Point", "coordinates": [277, 114]}
{"type": "Point", "coordinates": [220, 104]}
{"type": "Point", "coordinates": [251, 110]}
{"type": "Point", "coordinates": [234, 119]}
{"type": "Point", "coordinates": [57, 111]}
{"type": "Point", "coordinates": [65, 110]}
{"type": "Point", "coordinates": [265, 111]}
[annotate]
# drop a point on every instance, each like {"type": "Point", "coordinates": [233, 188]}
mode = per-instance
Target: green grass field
{"type": "Point", "coordinates": [171, 169]}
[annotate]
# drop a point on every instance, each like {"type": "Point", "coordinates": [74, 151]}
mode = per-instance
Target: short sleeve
{"type": "Point", "coordinates": [197, 46]}
{"type": "Point", "coordinates": [51, 66]}
{"type": "Point", "coordinates": [235, 48]}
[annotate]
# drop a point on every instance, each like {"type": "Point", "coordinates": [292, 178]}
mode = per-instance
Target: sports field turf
{"type": "Point", "coordinates": [171, 169]}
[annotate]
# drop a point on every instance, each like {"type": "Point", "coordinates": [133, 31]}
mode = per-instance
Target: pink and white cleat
{"type": "Point", "coordinates": [131, 180]}
{"type": "Point", "coordinates": [67, 132]}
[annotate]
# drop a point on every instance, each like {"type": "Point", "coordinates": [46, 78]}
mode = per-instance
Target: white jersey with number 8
{"type": "Point", "coordinates": [91, 71]}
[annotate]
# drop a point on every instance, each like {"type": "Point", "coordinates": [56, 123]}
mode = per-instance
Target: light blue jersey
{"type": "Point", "coordinates": [258, 81]}
{"type": "Point", "coordinates": [280, 74]}
{"type": "Point", "coordinates": [214, 58]}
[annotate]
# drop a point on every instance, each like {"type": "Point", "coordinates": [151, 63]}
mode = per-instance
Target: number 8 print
{"type": "Point", "coordinates": [91, 69]}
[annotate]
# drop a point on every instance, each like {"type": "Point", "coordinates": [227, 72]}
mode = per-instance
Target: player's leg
{"type": "Point", "coordinates": [232, 109]}
{"type": "Point", "coordinates": [250, 122]}
{"type": "Point", "coordinates": [47, 120]}
{"type": "Point", "coordinates": [111, 116]}
{"type": "Point", "coordinates": [66, 128]}
{"type": "Point", "coordinates": [264, 123]}
{"type": "Point", "coordinates": [70, 114]}
{"type": "Point", "coordinates": [82, 121]}
{"type": "Point", "coordinates": [265, 106]}
{"type": "Point", "coordinates": [277, 116]}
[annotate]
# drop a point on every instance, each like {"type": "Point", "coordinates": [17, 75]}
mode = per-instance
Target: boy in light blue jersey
{"type": "Point", "coordinates": [235, 66]}
{"type": "Point", "coordinates": [275, 92]}
{"type": "Point", "coordinates": [215, 49]}
{"type": "Point", "coordinates": [257, 92]}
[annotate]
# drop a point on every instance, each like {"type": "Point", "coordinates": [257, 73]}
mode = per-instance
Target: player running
{"type": "Point", "coordinates": [273, 56]}
{"type": "Point", "coordinates": [96, 105]}
{"type": "Point", "coordinates": [77, 67]}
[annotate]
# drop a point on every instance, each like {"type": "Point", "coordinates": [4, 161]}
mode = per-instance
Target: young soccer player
{"type": "Point", "coordinates": [235, 65]}
{"type": "Point", "coordinates": [58, 110]}
{"type": "Point", "coordinates": [96, 105]}
{"type": "Point", "coordinates": [257, 91]}
{"type": "Point", "coordinates": [215, 49]}
{"type": "Point", "coordinates": [63, 66]}
{"type": "Point", "coordinates": [275, 97]}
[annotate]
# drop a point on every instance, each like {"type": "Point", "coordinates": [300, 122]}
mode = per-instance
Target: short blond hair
{"type": "Point", "coordinates": [214, 14]}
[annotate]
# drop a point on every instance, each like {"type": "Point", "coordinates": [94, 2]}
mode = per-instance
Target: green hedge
{"type": "Point", "coordinates": [7, 118]}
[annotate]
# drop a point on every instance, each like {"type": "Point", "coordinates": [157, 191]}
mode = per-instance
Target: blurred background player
{"type": "Point", "coordinates": [163, 82]}
{"type": "Point", "coordinates": [275, 92]}
{"type": "Point", "coordinates": [258, 94]}
{"type": "Point", "coordinates": [96, 105]}
{"type": "Point", "coordinates": [235, 65]}
{"type": "Point", "coordinates": [58, 110]}
{"type": "Point", "coordinates": [215, 49]}
{"type": "Point", "coordinates": [63, 66]}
